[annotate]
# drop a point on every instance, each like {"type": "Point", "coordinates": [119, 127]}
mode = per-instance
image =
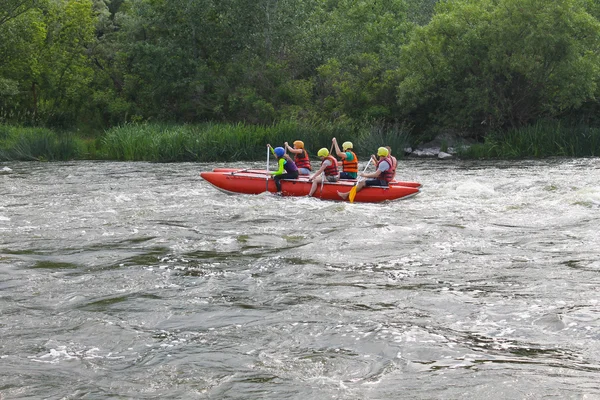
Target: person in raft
{"type": "Point", "coordinates": [394, 162]}
{"type": "Point", "coordinates": [301, 157]}
{"type": "Point", "coordinates": [392, 158]}
{"type": "Point", "coordinates": [381, 177]}
{"type": "Point", "coordinates": [287, 167]}
{"type": "Point", "coordinates": [349, 160]}
{"type": "Point", "coordinates": [329, 168]}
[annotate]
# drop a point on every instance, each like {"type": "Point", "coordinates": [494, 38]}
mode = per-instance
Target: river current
{"type": "Point", "coordinates": [142, 281]}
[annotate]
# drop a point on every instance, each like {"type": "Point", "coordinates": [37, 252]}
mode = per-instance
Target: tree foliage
{"type": "Point", "coordinates": [471, 65]}
{"type": "Point", "coordinates": [45, 69]}
{"type": "Point", "coordinates": [501, 62]}
{"type": "Point", "coordinates": [366, 39]}
{"type": "Point", "coordinates": [11, 9]}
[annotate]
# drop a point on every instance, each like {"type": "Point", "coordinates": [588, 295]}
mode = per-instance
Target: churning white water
{"type": "Point", "coordinates": [138, 280]}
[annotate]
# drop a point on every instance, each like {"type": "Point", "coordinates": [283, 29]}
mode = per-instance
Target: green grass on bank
{"type": "Point", "coordinates": [229, 142]}
{"type": "Point", "coordinates": [235, 142]}
{"type": "Point", "coordinates": [41, 144]}
{"type": "Point", "coordinates": [538, 141]}
{"type": "Point", "coordinates": [203, 142]}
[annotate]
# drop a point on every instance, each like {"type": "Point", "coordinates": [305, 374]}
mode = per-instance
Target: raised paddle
{"type": "Point", "coordinates": [352, 194]}
{"type": "Point", "coordinates": [267, 178]}
{"type": "Point", "coordinates": [323, 173]}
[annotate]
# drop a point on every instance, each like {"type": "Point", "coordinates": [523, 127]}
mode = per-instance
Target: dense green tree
{"type": "Point", "coordinates": [466, 64]}
{"type": "Point", "coordinates": [44, 68]}
{"type": "Point", "coordinates": [64, 84]}
{"type": "Point", "coordinates": [501, 63]}
{"type": "Point", "coordinates": [11, 9]}
{"type": "Point", "coordinates": [593, 7]}
{"type": "Point", "coordinates": [421, 11]}
{"type": "Point", "coordinates": [22, 34]}
{"type": "Point", "coordinates": [207, 59]}
{"type": "Point", "coordinates": [365, 40]}
{"type": "Point", "coordinates": [108, 105]}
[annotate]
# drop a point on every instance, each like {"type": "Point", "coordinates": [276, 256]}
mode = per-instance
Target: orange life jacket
{"type": "Point", "coordinates": [350, 166]}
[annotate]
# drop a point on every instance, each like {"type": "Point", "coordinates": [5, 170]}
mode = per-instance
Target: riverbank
{"type": "Point", "coordinates": [242, 142]}
{"type": "Point", "coordinates": [179, 143]}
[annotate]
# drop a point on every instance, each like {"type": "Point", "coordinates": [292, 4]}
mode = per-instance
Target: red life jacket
{"type": "Point", "coordinates": [350, 166]}
{"type": "Point", "coordinates": [394, 165]}
{"type": "Point", "coordinates": [386, 175]}
{"type": "Point", "coordinates": [333, 168]}
{"type": "Point", "coordinates": [302, 160]}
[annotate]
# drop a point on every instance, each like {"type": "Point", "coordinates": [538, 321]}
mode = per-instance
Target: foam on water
{"type": "Point", "coordinates": [141, 279]}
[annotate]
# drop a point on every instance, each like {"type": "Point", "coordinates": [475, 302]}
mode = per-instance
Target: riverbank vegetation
{"type": "Point", "coordinates": [538, 140]}
{"type": "Point", "coordinates": [206, 142]}
{"type": "Point", "coordinates": [42, 144]}
{"type": "Point", "coordinates": [205, 80]}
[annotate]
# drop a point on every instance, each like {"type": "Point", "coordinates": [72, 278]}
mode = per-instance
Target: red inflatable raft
{"type": "Point", "coordinates": [262, 171]}
{"type": "Point", "coordinates": [258, 181]}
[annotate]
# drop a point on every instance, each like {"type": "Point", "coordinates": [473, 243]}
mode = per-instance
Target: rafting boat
{"type": "Point", "coordinates": [304, 177]}
{"type": "Point", "coordinates": [258, 181]}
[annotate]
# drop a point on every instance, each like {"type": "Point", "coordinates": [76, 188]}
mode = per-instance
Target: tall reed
{"type": "Point", "coordinates": [215, 142]}
{"type": "Point", "coordinates": [397, 137]}
{"type": "Point", "coordinates": [544, 139]}
{"type": "Point", "coordinates": [20, 143]}
{"type": "Point", "coordinates": [231, 142]}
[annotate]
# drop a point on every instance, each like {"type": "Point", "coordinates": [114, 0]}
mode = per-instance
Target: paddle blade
{"type": "Point", "coordinates": [352, 194]}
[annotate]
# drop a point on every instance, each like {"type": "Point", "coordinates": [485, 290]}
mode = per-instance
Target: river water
{"type": "Point", "coordinates": [139, 280]}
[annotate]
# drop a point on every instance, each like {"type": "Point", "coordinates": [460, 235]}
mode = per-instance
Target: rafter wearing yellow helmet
{"type": "Point", "coordinates": [327, 172]}
{"type": "Point", "coordinates": [349, 159]}
{"type": "Point", "coordinates": [381, 177]}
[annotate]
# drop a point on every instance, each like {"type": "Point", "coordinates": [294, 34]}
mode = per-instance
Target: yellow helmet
{"type": "Point", "coordinates": [323, 152]}
{"type": "Point", "coordinates": [346, 146]}
{"type": "Point", "coordinates": [382, 152]}
{"type": "Point", "coordinates": [299, 144]}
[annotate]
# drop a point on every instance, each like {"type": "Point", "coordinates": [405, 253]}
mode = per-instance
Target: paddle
{"type": "Point", "coordinates": [267, 178]}
{"type": "Point", "coordinates": [352, 194]}
{"type": "Point", "coordinates": [251, 171]}
{"type": "Point", "coordinates": [258, 172]}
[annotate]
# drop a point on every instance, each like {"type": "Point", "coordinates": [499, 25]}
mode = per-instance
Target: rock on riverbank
{"type": "Point", "coordinates": [433, 149]}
